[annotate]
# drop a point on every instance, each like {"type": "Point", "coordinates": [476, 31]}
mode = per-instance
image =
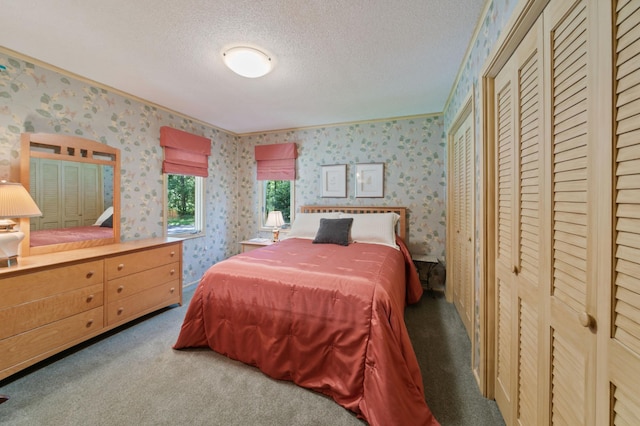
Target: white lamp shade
{"type": "Point", "coordinates": [247, 61]}
{"type": "Point", "coordinates": [15, 201]}
{"type": "Point", "coordinates": [274, 219]}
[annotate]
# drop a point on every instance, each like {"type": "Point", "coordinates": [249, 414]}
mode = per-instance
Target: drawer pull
{"type": "Point", "coordinates": [172, 290]}
{"type": "Point", "coordinates": [173, 253]}
{"type": "Point", "coordinates": [120, 289]}
{"type": "Point", "coordinates": [120, 311]}
{"type": "Point", "coordinates": [89, 298]}
{"type": "Point", "coordinates": [89, 323]}
{"type": "Point", "coordinates": [173, 271]}
{"type": "Point", "coordinates": [121, 267]}
{"type": "Point", "coordinates": [90, 274]}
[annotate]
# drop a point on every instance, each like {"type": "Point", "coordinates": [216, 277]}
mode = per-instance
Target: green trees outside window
{"type": "Point", "coordinates": [278, 197]}
{"type": "Point", "coordinates": [181, 200]}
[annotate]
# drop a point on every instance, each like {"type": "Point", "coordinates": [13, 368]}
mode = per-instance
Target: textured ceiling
{"type": "Point", "coordinates": [335, 60]}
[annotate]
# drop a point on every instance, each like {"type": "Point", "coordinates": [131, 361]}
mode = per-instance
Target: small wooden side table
{"type": "Point", "coordinates": [249, 245]}
{"type": "Point", "coordinates": [426, 266]}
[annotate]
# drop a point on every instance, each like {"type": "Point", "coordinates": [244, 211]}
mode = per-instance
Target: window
{"type": "Point", "coordinates": [184, 205]}
{"type": "Point", "coordinates": [277, 195]}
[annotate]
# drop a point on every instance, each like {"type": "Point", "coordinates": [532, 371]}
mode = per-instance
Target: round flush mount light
{"type": "Point", "coordinates": [247, 61]}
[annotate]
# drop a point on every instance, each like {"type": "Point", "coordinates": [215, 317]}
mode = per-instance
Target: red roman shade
{"type": "Point", "coordinates": [184, 153]}
{"type": "Point", "coordinates": [276, 161]}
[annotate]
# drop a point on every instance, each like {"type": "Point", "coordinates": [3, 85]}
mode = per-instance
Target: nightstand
{"type": "Point", "coordinates": [249, 245]}
{"type": "Point", "coordinates": [432, 272]}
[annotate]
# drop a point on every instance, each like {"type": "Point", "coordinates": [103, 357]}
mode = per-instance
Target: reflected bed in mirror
{"type": "Point", "coordinates": [76, 184]}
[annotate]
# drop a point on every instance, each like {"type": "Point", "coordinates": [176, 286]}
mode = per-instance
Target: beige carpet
{"type": "Point", "coordinates": [132, 377]}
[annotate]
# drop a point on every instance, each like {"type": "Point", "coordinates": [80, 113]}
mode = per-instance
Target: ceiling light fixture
{"type": "Point", "coordinates": [247, 61]}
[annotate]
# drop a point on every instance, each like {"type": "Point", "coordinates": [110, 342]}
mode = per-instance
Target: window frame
{"type": "Point", "coordinates": [261, 208]}
{"type": "Point", "coordinates": [200, 208]}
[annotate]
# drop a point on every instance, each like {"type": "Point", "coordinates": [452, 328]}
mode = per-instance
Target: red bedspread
{"type": "Point", "coordinates": [327, 317]}
{"type": "Point", "coordinates": [47, 237]}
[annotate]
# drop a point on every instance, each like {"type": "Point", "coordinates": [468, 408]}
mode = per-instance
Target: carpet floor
{"type": "Point", "coordinates": [131, 376]}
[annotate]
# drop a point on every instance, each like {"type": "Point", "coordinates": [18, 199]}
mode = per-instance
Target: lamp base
{"type": "Point", "coordinates": [276, 235]}
{"type": "Point", "coordinates": [7, 262]}
{"type": "Point", "coordinates": [9, 242]}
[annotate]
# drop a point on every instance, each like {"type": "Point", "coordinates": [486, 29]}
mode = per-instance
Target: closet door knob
{"type": "Point", "coordinates": [586, 320]}
{"type": "Point", "coordinates": [515, 270]}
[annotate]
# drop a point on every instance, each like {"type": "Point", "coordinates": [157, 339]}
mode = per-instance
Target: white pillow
{"type": "Point", "coordinates": [374, 228]}
{"type": "Point", "coordinates": [104, 216]}
{"type": "Point", "coordinates": [306, 225]}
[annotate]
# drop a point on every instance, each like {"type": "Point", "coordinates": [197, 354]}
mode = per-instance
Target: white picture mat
{"type": "Point", "coordinates": [370, 180]}
{"type": "Point", "coordinates": [334, 181]}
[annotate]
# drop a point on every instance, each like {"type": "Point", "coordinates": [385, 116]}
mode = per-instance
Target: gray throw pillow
{"type": "Point", "coordinates": [333, 231]}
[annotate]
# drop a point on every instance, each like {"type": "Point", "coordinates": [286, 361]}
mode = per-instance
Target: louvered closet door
{"type": "Point", "coordinates": [622, 355]}
{"type": "Point", "coordinates": [462, 279]}
{"type": "Point", "coordinates": [49, 189]}
{"type": "Point", "coordinates": [92, 193]}
{"type": "Point", "coordinates": [519, 239]}
{"type": "Point", "coordinates": [72, 194]}
{"type": "Point", "coordinates": [504, 256]}
{"type": "Point", "coordinates": [573, 222]}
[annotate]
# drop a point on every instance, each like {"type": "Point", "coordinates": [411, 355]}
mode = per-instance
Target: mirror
{"type": "Point", "coordinates": [76, 184]}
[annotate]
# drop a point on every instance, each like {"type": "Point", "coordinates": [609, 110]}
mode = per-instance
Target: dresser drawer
{"type": "Point", "coordinates": [143, 302]}
{"type": "Point", "coordinates": [132, 263]}
{"type": "Point", "coordinates": [36, 313]}
{"type": "Point", "coordinates": [34, 345]}
{"type": "Point", "coordinates": [135, 283]}
{"type": "Point", "coordinates": [29, 287]}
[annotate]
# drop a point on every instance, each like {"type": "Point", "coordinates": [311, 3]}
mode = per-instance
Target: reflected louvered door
{"type": "Point", "coordinates": [570, 326]}
{"type": "Point", "coordinates": [91, 193]}
{"type": "Point", "coordinates": [519, 264]}
{"type": "Point", "coordinates": [621, 357]}
{"type": "Point", "coordinates": [71, 194]}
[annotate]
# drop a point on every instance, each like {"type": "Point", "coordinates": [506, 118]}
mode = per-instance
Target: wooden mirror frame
{"type": "Point", "coordinates": [68, 148]}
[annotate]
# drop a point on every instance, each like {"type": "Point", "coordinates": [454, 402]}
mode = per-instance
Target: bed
{"type": "Point", "coordinates": [47, 237]}
{"type": "Point", "coordinates": [327, 316]}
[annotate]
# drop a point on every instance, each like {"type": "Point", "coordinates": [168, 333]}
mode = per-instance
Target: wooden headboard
{"type": "Point", "coordinates": [402, 211]}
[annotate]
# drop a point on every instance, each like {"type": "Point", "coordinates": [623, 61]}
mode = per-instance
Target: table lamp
{"type": "Point", "coordinates": [276, 220]}
{"type": "Point", "coordinates": [15, 202]}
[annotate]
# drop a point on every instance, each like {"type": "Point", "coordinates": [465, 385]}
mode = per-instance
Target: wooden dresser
{"type": "Point", "coordinates": [51, 302]}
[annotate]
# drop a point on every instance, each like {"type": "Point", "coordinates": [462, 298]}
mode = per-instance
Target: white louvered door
{"type": "Point", "coordinates": [620, 354]}
{"type": "Point", "coordinates": [573, 223]}
{"type": "Point", "coordinates": [519, 231]}
{"type": "Point", "coordinates": [462, 261]}
{"type": "Point", "coordinates": [504, 283]}
{"type": "Point", "coordinates": [567, 209]}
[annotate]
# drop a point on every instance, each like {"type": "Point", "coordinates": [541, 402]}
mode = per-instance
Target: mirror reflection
{"type": "Point", "coordinates": [72, 196]}
{"type": "Point", "coordinates": [75, 183]}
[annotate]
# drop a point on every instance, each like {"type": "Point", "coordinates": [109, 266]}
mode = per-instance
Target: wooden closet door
{"type": "Point", "coordinates": [570, 338]}
{"type": "Point", "coordinates": [621, 354]}
{"type": "Point", "coordinates": [91, 193]}
{"type": "Point", "coordinates": [462, 277]}
{"type": "Point", "coordinates": [520, 264]}
{"type": "Point", "coordinates": [504, 257]}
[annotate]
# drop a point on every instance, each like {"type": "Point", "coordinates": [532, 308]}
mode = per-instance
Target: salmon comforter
{"type": "Point", "coordinates": [329, 318]}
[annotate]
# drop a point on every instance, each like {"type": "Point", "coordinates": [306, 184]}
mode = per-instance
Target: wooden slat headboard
{"type": "Point", "coordinates": [402, 211]}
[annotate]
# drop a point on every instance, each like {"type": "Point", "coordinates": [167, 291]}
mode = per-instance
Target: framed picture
{"type": "Point", "coordinates": [334, 181]}
{"type": "Point", "coordinates": [370, 180]}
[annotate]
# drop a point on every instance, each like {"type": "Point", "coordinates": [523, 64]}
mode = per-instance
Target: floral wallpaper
{"type": "Point", "coordinates": [36, 99]}
{"type": "Point", "coordinates": [412, 150]}
{"type": "Point", "coordinates": [497, 16]}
